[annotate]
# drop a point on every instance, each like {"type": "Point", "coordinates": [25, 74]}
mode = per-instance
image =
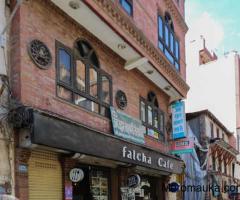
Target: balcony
{"type": "Point", "coordinates": [109, 23]}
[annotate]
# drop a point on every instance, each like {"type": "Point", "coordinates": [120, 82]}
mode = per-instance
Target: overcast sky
{"type": "Point", "coordinates": [217, 20]}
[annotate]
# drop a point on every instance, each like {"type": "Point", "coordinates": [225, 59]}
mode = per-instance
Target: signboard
{"type": "Point", "coordinates": [127, 127]}
{"type": "Point", "coordinates": [133, 180]}
{"type": "Point", "coordinates": [178, 120]}
{"type": "Point", "coordinates": [64, 134]}
{"type": "Point", "coordinates": [76, 175]}
{"type": "Point", "coordinates": [182, 146]}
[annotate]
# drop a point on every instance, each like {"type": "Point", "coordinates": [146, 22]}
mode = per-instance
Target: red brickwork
{"type": "Point", "coordinates": [37, 88]}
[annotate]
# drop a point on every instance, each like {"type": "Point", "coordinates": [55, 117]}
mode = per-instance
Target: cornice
{"type": "Point", "coordinates": [173, 10]}
{"type": "Point", "coordinates": [163, 65]}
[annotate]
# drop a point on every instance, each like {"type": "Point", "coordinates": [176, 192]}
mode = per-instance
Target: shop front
{"type": "Point", "coordinates": [79, 163]}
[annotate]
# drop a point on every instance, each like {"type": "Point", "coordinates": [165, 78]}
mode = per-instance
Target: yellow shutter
{"type": "Point", "coordinates": [45, 176]}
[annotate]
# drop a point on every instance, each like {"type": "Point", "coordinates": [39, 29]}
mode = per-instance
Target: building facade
{"type": "Point", "coordinates": [6, 136]}
{"type": "Point", "coordinates": [94, 81]}
{"type": "Point", "coordinates": [220, 158]}
{"type": "Point", "coordinates": [205, 93]}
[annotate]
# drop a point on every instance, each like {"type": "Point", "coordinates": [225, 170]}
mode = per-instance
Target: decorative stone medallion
{"type": "Point", "coordinates": [121, 99]}
{"type": "Point", "coordinates": [40, 54]}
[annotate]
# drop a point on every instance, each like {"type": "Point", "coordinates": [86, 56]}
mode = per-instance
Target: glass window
{"type": "Point", "coordinates": [150, 121]}
{"type": "Point", "coordinates": [64, 66]}
{"type": "Point", "coordinates": [64, 93]}
{"type": "Point", "coordinates": [177, 50]}
{"type": "Point", "coordinates": [143, 111]}
{"type": "Point", "coordinates": [99, 184]}
{"type": "Point", "coordinates": [156, 118]}
{"type": "Point", "coordinates": [80, 75]}
{"type": "Point", "coordinates": [92, 86]}
{"type": "Point", "coordinates": [169, 56]}
{"type": "Point", "coordinates": [86, 103]}
{"type": "Point", "coordinates": [171, 43]}
{"type": "Point", "coordinates": [177, 66]}
{"type": "Point", "coordinates": [167, 41]}
{"type": "Point", "coordinates": [166, 36]}
{"type": "Point", "coordinates": [160, 27]}
{"type": "Point", "coordinates": [152, 117]}
{"type": "Point", "coordinates": [105, 89]}
{"type": "Point", "coordinates": [127, 5]}
{"type": "Point", "coordinates": [160, 45]}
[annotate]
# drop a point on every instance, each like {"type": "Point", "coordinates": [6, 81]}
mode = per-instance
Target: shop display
{"type": "Point", "coordinates": [99, 185]}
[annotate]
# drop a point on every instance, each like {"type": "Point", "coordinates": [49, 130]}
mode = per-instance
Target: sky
{"type": "Point", "coordinates": [217, 20]}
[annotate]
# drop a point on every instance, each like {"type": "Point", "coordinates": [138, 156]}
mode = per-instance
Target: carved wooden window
{"type": "Point", "coordinates": [167, 40]}
{"type": "Point", "coordinates": [152, 116]}
{"type": "Point", "coordinates": [80, 79]}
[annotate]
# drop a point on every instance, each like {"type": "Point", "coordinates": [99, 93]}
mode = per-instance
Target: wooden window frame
{"type": "Point", "coordinates": [176, 61]}
{"type": "Point", "coordinates": [73, 86]}
{"type": "Point", "coordinates": [161, 133]}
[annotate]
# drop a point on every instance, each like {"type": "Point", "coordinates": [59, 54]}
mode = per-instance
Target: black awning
{"type": "Point", "coordinates": [52, 131]}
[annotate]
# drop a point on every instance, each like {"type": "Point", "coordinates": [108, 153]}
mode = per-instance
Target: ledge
{"type": "Point", "coordinates": [114, 17]}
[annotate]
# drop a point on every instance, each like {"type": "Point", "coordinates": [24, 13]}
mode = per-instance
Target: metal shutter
{"type": "Point", "coordinates": [45, 176]}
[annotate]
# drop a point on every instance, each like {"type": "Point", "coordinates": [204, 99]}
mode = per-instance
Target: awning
{"type": "Point", "coordinates": [53, 131]}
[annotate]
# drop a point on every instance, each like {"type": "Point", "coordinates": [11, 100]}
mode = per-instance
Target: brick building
{"type": "Point", "coordinates": [219, 161]}
{"type": "Point", "coordinates": [74, 65]}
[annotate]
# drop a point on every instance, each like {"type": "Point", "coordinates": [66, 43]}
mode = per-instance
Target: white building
{"type": "Point", "coordinates": [214, 85]}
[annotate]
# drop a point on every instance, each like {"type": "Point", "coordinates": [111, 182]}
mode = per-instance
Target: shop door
{"type": "Point", "coordinates": [94, 186]}
{"type": "Point", "coordinates": [45, 176]}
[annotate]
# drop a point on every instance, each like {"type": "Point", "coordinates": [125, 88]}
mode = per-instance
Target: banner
{"type": "Point", "coordinates": [182, 146]}
{"type": "Point", "coordinates": [127, 127]}
{"type": "Point", "coordinates": [178, 120]}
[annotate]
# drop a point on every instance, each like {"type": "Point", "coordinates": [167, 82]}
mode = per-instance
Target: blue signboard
{"type": "Point", "coordinates": [178, 120]}
{"type": "Point", "coordinates": [127, 127]}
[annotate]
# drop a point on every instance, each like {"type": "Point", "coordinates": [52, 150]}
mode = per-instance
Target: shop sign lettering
{"type": "Point", "coordinates": [142, 157]}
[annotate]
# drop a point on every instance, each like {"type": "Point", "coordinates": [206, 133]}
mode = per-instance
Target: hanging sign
{"type": "Point", "coordinates": [127, 127]}
{"type": "Point", "coordinates": [76, 175]}
{"type": "Point", "coordinates": [178, 120]}
{"type": "Point", "coordinates": [182, 146]}
{"type": "Point", "coordinates": [133, 181]}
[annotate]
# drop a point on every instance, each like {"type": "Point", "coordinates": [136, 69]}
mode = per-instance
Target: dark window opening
{"type": "Point", "coordinates": [167, 41]}
{"type": "Point", "coordinates": [225, 167]}
{"type": "Point", "coordinates": [80, 79]}
{"type": "Point", "coordinates": [127, 6]}
{"type": "Point", "coordinates": [214, 163]}
{"type": "Point", "coordinates": [152, 116]}
{"type": "Point", "coordinates": [212, 130]}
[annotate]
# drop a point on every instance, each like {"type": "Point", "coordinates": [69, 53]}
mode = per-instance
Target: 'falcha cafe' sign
{"type": "Point", "coordinates": [178, 120]}
{"type": "Point", "coordinates": [127, 127]}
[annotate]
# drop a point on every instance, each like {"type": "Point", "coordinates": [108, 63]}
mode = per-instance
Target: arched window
{"type": "Point", "coordinates": [152, 116]}
{"type": "Point", "coordinates": [167, 40]}
{"type": "Point", "coordinates": [80, 78]}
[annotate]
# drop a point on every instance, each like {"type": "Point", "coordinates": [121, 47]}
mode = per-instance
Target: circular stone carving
{"type": "Point", "coordinates": [121, 99]}
{"type": "Point", "coordinates": [40, 54]}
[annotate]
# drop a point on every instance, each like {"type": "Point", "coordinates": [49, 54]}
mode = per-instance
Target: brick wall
{"type": "Point", "coordinates": [37, 88]}
{"type": "Point", "coordinates": [145, 16]}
